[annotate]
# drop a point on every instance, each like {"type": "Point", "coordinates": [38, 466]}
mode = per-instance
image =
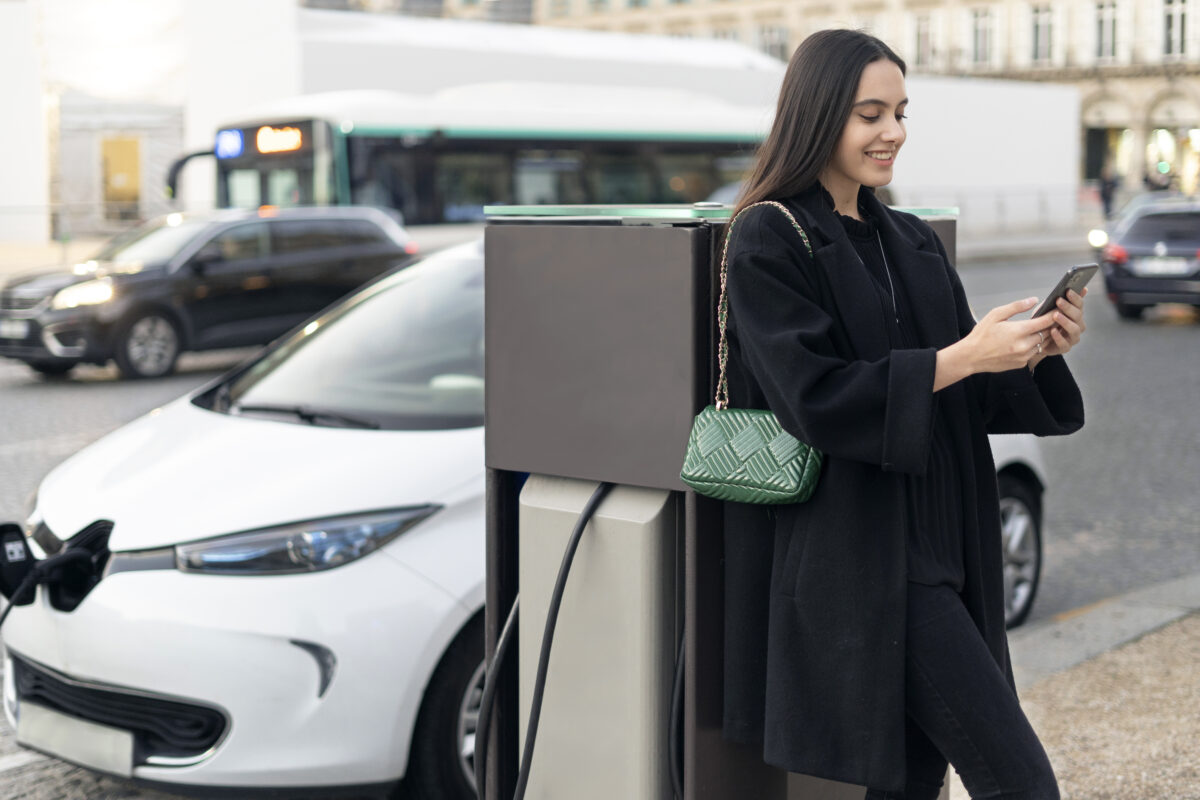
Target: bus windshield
{"type": "Point", "coordinates": [283, 164]}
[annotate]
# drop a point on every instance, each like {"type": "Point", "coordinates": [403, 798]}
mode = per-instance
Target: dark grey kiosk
{"type": "Point", "coordinates": [600, 349]}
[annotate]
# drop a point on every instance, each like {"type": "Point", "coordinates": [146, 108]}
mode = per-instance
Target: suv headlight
{"type": "Point", "coordinates": [88, 293]}
{"type": "Point", "coordinates": [300, 547]}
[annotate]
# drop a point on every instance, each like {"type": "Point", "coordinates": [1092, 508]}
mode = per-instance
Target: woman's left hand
{"type": "Point", "coordinates": [1068, 328]}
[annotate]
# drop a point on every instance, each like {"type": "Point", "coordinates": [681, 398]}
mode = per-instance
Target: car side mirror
{"type": "Point", "coordinates": [210, 253]}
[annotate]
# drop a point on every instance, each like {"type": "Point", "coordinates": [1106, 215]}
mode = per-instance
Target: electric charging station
{"type": "Point", "coordinates": [600, 349]}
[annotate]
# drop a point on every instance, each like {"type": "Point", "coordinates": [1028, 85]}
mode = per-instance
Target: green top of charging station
{"type": "Point", "coordinates": [717, 212]}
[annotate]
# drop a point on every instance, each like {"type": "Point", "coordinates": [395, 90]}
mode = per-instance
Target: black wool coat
{"type": "Point", "coordinates": [815, 592]}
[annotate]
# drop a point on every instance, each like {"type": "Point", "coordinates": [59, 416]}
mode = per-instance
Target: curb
{"type": "Point", "coordinates": [1073, 637]}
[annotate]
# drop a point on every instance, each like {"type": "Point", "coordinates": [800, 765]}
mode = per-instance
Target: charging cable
{"type": "Point", "coordinates": [539, 684]}
{"type": "Point", "coordinates": [487, 701]}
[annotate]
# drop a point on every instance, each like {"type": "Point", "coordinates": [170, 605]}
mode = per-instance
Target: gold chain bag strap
{"type": "Point", "coordinates": [743, 454]}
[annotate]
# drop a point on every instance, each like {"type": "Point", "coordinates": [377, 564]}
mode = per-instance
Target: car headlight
{"type": "Point", "coordinates": [88, 293]}
{"type": "Point", "coordinates": [43, 540]}
{"type": "Point", "coordinates": [300, 547]}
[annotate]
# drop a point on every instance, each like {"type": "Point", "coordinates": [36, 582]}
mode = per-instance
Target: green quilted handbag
{"type": "Point", "coordinates": [743, 454]}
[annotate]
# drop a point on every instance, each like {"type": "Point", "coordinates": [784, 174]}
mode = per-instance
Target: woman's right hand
{"type": "Point", "coordinates": [997, 343]}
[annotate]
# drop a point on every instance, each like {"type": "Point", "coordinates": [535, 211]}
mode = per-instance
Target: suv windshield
{"type": "Point", "coordinates": [157, 240]}
{"type": "Point", "coordinates": [406, 354]}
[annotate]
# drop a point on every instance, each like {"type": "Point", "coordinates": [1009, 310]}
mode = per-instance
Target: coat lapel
{"type": "Point", "coordinates": [857, 303]}
{"type": "Point", "coordinates": [917, 266]}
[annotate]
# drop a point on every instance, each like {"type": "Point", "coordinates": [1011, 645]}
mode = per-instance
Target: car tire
{"type": "Point", "coordinates": [1021, 539]}
{"type": "Point", "coordinates": [1128, 310]}
{"type": "Point", "coordinates": [51, 369]}
{"type": "Point", "coordinates": [147, 346]}
{"type": "Point", "coordinates": [441, 763]}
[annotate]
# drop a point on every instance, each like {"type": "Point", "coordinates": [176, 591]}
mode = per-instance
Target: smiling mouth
{"type": "Point", "coordinates": [882, 155]}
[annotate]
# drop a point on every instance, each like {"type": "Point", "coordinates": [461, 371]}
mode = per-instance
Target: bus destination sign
{"type": "Point", "coordinates": [278, 140]}
{"type": "Point", "coordinates": [242, 145]}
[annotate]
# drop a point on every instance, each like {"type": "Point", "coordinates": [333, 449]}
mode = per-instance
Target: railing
{"type": "Point", "coordinates": [1014, 209]}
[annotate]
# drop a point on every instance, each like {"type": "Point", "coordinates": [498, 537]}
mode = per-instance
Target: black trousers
{"type": "Point", "coordinates": [960, 709]}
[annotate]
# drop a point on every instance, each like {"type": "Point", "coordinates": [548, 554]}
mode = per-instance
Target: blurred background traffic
{"type": "Point", "coordinates": [438, 108]}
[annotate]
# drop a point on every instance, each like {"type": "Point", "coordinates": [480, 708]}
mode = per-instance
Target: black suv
{"type": "Point", "coordinates": [196, 282]}
{"type": "Point", "coordinates": [1154, 257]}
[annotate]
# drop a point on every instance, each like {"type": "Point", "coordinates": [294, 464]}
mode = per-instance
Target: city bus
{"type": "Point", "coordinates": [440, 158]}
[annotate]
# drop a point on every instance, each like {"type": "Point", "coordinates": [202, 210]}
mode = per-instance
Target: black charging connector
{"type": "Point", "coordinates": [68, 575]}
{"type": "Point", "coordinates": [16, 564]}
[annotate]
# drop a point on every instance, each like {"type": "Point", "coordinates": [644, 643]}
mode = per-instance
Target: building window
{"type": "Point", "coordinates": [638, 3]}
{"type": "Point", "coordinates": [981, 36]}
{"type": "Point", "coordinates": [1174, 20]}
{"type": "Point", "coordinates": [1041, 34]}
{"type": "Point", "coordinates": [1106, 29]}
{"type": "Point", "coordinates": [923, 51]}
{"type": "Point", "coordinates": [773, 40]}
{"type": "Point", "coordinates": [726, 34]}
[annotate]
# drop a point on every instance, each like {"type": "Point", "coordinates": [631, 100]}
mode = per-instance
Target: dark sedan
{"type": "Point", "coordinates": [1154, 257]}
{"type": "Point", "coordinates": [183, 282]}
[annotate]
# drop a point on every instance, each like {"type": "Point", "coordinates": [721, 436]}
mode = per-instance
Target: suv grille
{"type": "Point", "coordinates": [12, 302]}
{"type": "Point", "coordinates": [166, 728]}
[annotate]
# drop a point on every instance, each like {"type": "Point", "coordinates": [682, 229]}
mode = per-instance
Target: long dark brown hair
{"type": "Point", "coordinates": [815, 101]}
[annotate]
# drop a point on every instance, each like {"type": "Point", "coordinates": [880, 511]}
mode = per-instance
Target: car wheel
{"type": "Point", "coordinates": [146, 346]}
{"type": "Point", "coordinates": [1129, 311]}
{"type": "Point", "coordinates": [52, 369]}
{"type": "Point", "coordinates": [441, 765]}
{"type": "Point", "coordinates": [1021, 537]}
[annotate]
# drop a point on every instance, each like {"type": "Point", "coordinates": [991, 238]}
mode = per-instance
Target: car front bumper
{"type": "Point", "coordinates": [312, 695]}
{"type": "Point", "coordinates": [54, 336]}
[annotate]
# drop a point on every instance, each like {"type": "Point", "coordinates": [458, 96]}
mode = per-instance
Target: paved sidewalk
{"type": "Point", "coordinates": [991, 248]}
{"type": "Point", "coordinates": [1113, 690]}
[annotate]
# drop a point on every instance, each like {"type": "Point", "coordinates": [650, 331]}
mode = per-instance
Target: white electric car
{"type": "Point", "coordinates": [294, 583]}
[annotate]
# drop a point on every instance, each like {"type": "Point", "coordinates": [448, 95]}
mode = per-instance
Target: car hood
{"type": "Point", "coordinates": [183, 473]}
{"type": "Point", "coordinates": [44, 284]}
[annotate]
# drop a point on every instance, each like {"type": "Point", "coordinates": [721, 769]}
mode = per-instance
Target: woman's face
{"type": "Point", "coordinates": [873, 134]}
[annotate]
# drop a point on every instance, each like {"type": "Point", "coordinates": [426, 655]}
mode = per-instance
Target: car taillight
{"type": "Point", "coordinates": [1116, 254]}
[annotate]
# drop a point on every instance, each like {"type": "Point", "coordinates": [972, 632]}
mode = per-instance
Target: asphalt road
{"type": "Point", "coordinates": [1122, 508]}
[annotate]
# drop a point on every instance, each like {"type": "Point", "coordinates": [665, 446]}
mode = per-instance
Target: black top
{"type": "Point", "coordinates": [935, 531]}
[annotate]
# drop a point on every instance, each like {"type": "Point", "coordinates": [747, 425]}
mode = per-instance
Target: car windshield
{"type": "Point", "coordinates": [406, 354]}
{"type": "Point", "coordinates": [1168, 227]}
{"type": "Point", "coordinates": [157, 240]}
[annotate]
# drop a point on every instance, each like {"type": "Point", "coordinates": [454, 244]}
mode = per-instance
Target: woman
{"type": "Point", "coordinates": [878, 650]}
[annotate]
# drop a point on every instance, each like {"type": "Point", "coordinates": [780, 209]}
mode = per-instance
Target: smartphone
{"type": "Point", "coordinates": [1074, 280]}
